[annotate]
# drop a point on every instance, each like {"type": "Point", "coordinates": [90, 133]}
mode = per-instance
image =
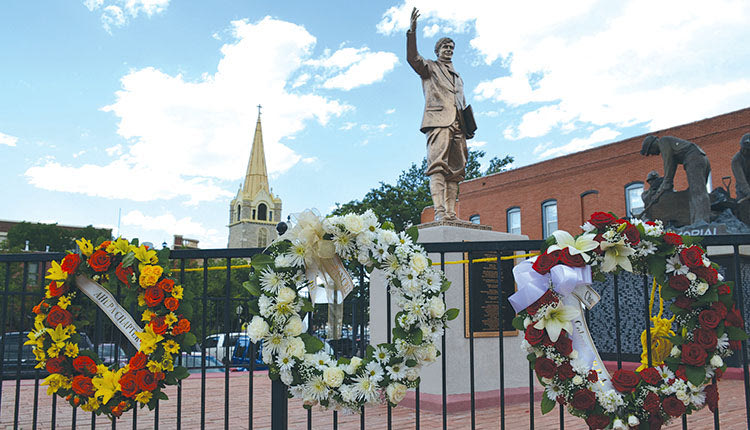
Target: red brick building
{"type": "Point", "coordinates": [567, 189]}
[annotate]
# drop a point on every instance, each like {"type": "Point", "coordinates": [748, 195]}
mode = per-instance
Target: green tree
{"type": "Point", "coordinates": [499, 164]}
{"type": "Point", "coordinates": [58, 238]}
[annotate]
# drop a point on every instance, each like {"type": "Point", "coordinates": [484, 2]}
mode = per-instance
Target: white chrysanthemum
{"type": "Point", "coordinates": [344, 244]}
{"type": "Point", "coordinates": [587, 227]}
{"type": "Point", "coordinates": [257, 329]}
{"type": "Point", "coordinates": [552, 391]}
{"type": "Point", "coordinates": [674, 265]}
{"type": "Point", "coordinates": [370, 220]}
{"type": "Point", "coordinates": [389, 237]}
{"type": "Point", "coordinates": [374, 371]}
{"type": "Point", "coordinates": [409, 281]}
{"type": "Point", "coordinates": [665, 373]}
{"type": "Point", "coordinates": [654, 230]}
{"type": "Point", "coordinates": [432, 280]}
{"type": "Point", "coordinates": [297, 253]}
{"type": "Point", "coordinates": [274, 342]}
{"type": "Point", "coordinates": [354, 223]}
{"type": "Point", "coordinates": [381, 252]}
{"type": "Point", "coordinates": [282, 260]}
{"type": "Point", "coordinates": [723, 343]}
{"type": "Point", "coordinates": [404, 239]}
{"type": "Point", "coordinates": [366, 389]}
{"type": "Point", "coordinates": [320, 360]}
{"type": "Point", "coordinates": [316, 389]}
{"type": "Point", "coordinates": [271, 281]}
{"type": "Point", "coordinates": [391, 265]}
{"type": "Point", "coordinates": [645, 248]}
{"type": "Point", "coordinates": [382, 354]}
{"type": "Point", "coordinates": [284, 361]}
{"type": "Point", "coordinates": [396, 372]}
{"type": "Point", "coordinates": [416, 307]}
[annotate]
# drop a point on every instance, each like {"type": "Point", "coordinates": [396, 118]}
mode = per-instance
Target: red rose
{"type": "Point", "coordinates": [655, 422]}
{"type": "Point", "coordinates": [548, 298]}
{"type": "Point", "coordinates": [709, 318]}
{"type": "Point", "coordinates": [571, 260]}
{"type": "Point", "coordinates": [597, 422]}
{"type": "Point", "coordinates": [533, 335]}
{"type": "Point", "coordinates": [564, 345]}
{"type": "Point", "coordinates": [709, 274]}
{"type": "Point", "coordinates": [138, 361]}
{"type": "Point", "coordinates": [720, 309]}
{"type": "Point", "coordinates": [725, 289]}
{"type": "Point", "coordinates": [693, 354]}
{"type": "Point", "coordinates": [734, 318]}
{"type": "Point", "coordinates": [706, 338]}
{"type": "Point", "coordinates": [146, 380]}
{"type": "Point", "coordinates": [153, 295]}
{"type": "Point", "coordinates": [625, 381]}
{"type": "Point", "coordinates": [679, 282]}
{"type": "Point", "coordinates": [651, 376]}
{"type": "Point", "coordinates": [601, 219]}
{"type": "Point", "coordinates": [124, 274]}
{"type": "Point", "coordinates": [56, 365]}
{"type": "Point", "coordinates": [545, 262]}
{"type": "Point", "coordinates": [565, 371]}
{"type": "Point", "coordinates": [70, 263]}
{"type": "Point", "coordinates": [583, 400]}
{"type": "Point", "coordinates": [99, 261]}
{"type": "Point", "coordinates": [57, 290]}
{"type": "Point", "coordinates": [84, 364]}
{"type": "Point", "coordinates": [683, 302]}
{"type": "Point", "coordinates": [673, 406]}
{"type": "Point", "coordinates": [83, 386]}
{"type": "Point", "coordinates": [631, 232]}
{"type": "Point", "coordinates": [129, 385]}
{"type": "Point", "coordinates": [183, 326]}
{"type": "Point", "coordinates": [158, 325]}
{"type": "Point", "coordinates": [673, 239]}
{"type": "Point", "coordinates": [692, 257]}
{"type": "Point", "coordinates": [545, 367]}
{"type": "Point", "coordinates": [712, 397]}
{"type": "Point", "coordinates": [592, 376]}
{"type": "Point", "coordinates": [166, 284]}
{"type": "Point", "coordinates": [652, 403]}
{"type": "Point", "coordinates": [171, 303]}
{"type": "Point", "coordinates": [58, 315]}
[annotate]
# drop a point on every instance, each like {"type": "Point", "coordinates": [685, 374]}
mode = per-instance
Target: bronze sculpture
{"type": "Point", "coordinates": [741, 169]}
{"type": "Point", "coordinates": [443, 121]}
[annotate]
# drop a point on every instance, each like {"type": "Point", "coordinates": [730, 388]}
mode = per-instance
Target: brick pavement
{"type": "Point", "coordinates": [517, 415]}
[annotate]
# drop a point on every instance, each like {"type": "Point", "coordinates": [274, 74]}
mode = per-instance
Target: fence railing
{"type": "Point", "coordinates": [217, 395]}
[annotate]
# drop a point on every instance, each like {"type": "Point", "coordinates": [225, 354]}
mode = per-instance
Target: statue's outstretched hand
{"type": "Point", "coordinates": [414, 16]}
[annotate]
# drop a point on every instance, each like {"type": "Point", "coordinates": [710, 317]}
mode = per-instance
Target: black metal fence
{"type": "Point", "coordinates": [219, 396]}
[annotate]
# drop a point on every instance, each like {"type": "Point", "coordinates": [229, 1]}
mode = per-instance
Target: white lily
{"type": "Point", "coordinates": [616, 254]}
{"type": "Point", "coordinates": [583, 244]}
{"type": "Point", "coordinates": [555, 319]}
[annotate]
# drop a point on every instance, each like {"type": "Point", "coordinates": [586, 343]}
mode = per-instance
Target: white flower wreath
{"type": "Point", "coordinates": [388, 370]}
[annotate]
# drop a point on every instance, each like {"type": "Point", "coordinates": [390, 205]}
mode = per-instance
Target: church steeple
{"type": "Point", "coordinates": [256, 178]}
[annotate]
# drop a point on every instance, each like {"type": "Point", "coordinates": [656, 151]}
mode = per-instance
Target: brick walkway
{"type": "Point", "coordinates": [517, 416]}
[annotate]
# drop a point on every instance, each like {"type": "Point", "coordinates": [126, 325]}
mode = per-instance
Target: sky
{"type": "Point", "coordinates": [139, 114]}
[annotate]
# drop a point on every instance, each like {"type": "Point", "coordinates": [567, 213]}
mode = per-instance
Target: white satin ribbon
{"type": "Point", "coordinates": [111, 308]}
{"type": "Point", "coordinates": [532, 285]}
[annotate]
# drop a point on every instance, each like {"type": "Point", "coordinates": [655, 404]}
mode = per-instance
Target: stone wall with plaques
{"type": "Point", "coordinates": [481, 295]}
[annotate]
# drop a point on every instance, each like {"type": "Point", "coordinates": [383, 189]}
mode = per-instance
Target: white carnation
{"type": "Point", "coordinates": [396, 392]}
{"type": "Point", "coordinates": [296, 347]}
{"type": "Point", "coordinates": [353, 223]}
{"type": "Point", "coordinates": [716, 361]}
{"type": "Point", "coordinates": [333, 376]}
{"type": "Point", "coordinates": [293, 326]}
{"type": "Point", "coordinates": [389, 237]}
{"type": "Point", "coordinates": [286, 295]}
{"type": "Point", "coordinates": [258, 328]}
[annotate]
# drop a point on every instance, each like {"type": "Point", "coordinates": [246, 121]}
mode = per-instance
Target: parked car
{"type": "Point", "coordinates": [192, 361]}
{"type": "Point", "coordinates": [110, 352]}
{"type": "Point", "coordinates": [241, 355]}
{"type": "Point", "coordinates": [221, 345]}
{"type": "Point", "coordinates": [21, 364]}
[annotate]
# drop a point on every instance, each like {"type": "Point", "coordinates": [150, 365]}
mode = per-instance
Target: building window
{"type": "Point", "coordinates": [262, 238]}
{"type": "Point", "coordinates": [633, 201]}
{"type": "Point", "coordinates": [474, 219]}
{"type": "Point", "coordinates": [262, 208]}
{"type": "Point", "coordinates": [239, 211]}
{"type": "Point", "coordinates": [549, 217]}
{"type": "Point", "coordinates": [253, 213]}
{"type": "Point", "coordinates": [270, 215]}
{"type": "Point", "coordinates": [513, 219]}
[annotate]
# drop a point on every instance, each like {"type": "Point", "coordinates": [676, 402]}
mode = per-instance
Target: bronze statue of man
{"type": "Point", "coordinates": [442, 121]}
{"type": "Point", "coordinates": [676, 151]}
{"type": "Point", "coordinates": [741, 169]}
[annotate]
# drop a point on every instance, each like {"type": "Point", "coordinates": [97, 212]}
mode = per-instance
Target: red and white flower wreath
{"type": "Point", "coordinates": [708, 324]}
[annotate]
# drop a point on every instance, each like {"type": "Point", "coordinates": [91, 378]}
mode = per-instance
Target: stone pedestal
{"type": "Point", "coordinates": [486, 349]}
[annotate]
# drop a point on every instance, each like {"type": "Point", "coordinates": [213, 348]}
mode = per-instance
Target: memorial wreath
{"type": "Point", "coordinates": [680, 375]}
{"type": "Point", "coordinates": [79, 375]}
{"type": "Point", "coordinates": [285, 284]}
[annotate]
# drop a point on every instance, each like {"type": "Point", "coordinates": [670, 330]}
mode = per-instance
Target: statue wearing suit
{"type": "Point", "coordinates": [442, 121]}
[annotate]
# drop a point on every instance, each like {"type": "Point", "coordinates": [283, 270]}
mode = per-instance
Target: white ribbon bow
{"type": "Point", "coordinates": [532, 285]}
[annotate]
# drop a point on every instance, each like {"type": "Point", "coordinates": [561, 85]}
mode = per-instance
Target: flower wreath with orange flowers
{"type": "Point", "coordinates": [680, 375]}
{"type": "Point", "coordinates": [78, 375]}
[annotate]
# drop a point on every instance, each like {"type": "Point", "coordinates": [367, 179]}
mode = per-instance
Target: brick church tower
{"type": "Point", "coordinates": [255, 211]}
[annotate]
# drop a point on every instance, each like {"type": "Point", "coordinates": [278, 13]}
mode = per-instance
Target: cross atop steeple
{"type": "Point", "coordinates": [259, 106]}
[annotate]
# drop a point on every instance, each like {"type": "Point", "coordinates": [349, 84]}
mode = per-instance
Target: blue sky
{"type": "Point", "coordinates": [147, 107]}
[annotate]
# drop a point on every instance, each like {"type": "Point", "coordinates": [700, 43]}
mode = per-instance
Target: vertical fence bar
{"type": "Point", "coordinates": [227, 328]}
{"type": "Point", "coordinates": [389, 416]}
{"type": "Point", "coordinates": [25, 279]}
{"type": "Point", "coordinates": [443, 360]}
{"type": "Point", "coordinates": [203, 350]}
{"type": "Point", "coordinates": [279, 405]}
{"type": "Point", "coordinates": [531, 398]}
{"type": "Point", "coordinates": [470, 307]}
{"type": "Point", "coordinates": [501, 338]}
{"type": "Point", "coordinates": [740, 300]}
{"type": "Point", "coordinates": [416, 410]}
{"type": "Point", "coordinates": [2, 327]}
{"type": "Point", "coordinates": [335, 420]}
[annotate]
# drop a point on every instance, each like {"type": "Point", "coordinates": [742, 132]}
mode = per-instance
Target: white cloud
{"type": "Point", "coordinates": [348, 125]}
{"type": "Point", "coordinates": [354, 67]}
{"type": "Point", "coordinates": [476, 143]}
{"type": "Point", "coordinates": [114, 12]}
{"type": "Point", "coordinates": [598, 63]}
{"type": "Point", "coordinates": [390, 111]}
{"type": "Point", "coordinates": [169, 224]}
{"type": "Point", "coordinates": [186, 136]}
{"type": "Point", "coordinates": [578, 144]}
{"type": "Point", "coordinates": [310, 160]}
{"type": "Point", "coordinates": [6, 139]}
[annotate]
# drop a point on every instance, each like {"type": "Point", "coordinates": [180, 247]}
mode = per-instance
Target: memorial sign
{"type": "Point", "coordinates": [481, 295]}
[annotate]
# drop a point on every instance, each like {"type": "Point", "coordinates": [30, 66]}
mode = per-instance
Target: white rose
{"type": "Point", "coordinates": [258, 328]}
{"type": "Point", "coordinates": [617, 424]}
{"type": "Point", "coordinates": [363, 259]}
{"type": "Point", "coordinates": [675, 352]}
{"type": "Point", "coordinates": [437, 307]}
{"type": "Point", "coordinates": [333, 376]}
{"type": "Point", "coordinates": [353, 223]}
{"type": "Point", "coordinates": [293, 326]}
{"type": "Point", "coordinates": [286, 295]}
{"type": "Point", "coordinates": [295, 347]}
{"type": "Point", "coordinates": [412, 373]}
{"type": "Point", "coordinates": [683, 396]}
{"type": "Point", "coordinates": [429, 353]}
{"type": "Point", "coordinates": [716, 361]}
{"type": "Point", "coordinates": [396, 392]}
{"type": "Point", "coordinates": [388, 237]}
{"type": "Point", "coordinates": [702, 288]}
{"type": "Point", "coordinates": [577, 380]}
{"type": "Point", "coordinates": [691, 276]}
{"type": "Point", "coordinates": [633, 421]}
{"type": "Point", "coordinates": [353, 365]}
{"type": "Point", "coordinates": [418, 263]}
